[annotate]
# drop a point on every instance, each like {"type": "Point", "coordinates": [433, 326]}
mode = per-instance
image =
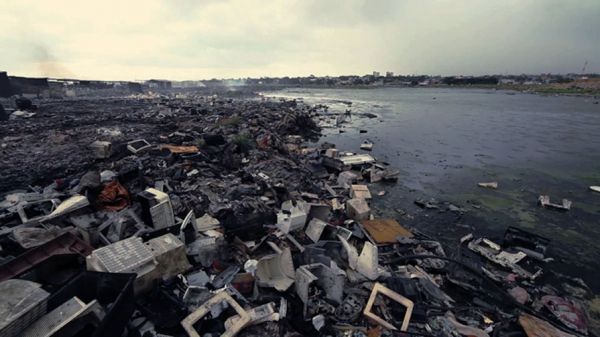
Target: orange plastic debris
{"type": "Point", "coordinates": [177, 149]}
{"type": "Point", "coordinates": [114, 197]}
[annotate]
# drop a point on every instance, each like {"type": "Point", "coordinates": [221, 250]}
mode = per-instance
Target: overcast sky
{"type": "Point", "coordinates": [202, 39]}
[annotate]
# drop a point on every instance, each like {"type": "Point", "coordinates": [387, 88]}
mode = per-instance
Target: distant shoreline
{"type": "Point", "coordinates": [548, 90]}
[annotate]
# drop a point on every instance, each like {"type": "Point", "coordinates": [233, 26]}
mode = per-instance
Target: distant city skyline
{"type": "Point", "coordinates": [373, 75]}
{"type": "Point", "coordinates": [200, 40]}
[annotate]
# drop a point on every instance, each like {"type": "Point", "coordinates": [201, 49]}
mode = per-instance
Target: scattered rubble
{"type": "Point", "coordinates": [544, 201]}
{"type": "Point", "coordinates": [492, 185]}
{"type": "Point", "coordinates": [366, 145]}
{"type": "Point", "coordinates": [203, 216]}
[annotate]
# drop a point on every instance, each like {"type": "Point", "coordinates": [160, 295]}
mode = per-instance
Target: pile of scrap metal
{"type": "Point", "coordinates": [215, 234]}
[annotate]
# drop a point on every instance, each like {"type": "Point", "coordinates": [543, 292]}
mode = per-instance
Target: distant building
{"type": "Point", "coordinates": [435, 81]}
{"type": "Point", "coordinates": [215, 83]}
{"type": "Point", "coordinates": [95, 85]}
{"type": "Point", "coordinates": [5, 89]}
{"type": "Point", "coordinates": [29, 85]}
{"type": "Point", "coordinates": [159, 84]}
{"type": "Point", "coordinates": [134, 87]}
{"type": "Point", "coordinates": [240, 82]}
{"type": "Point", "coordinates": [376, 74]}
{"type": "Point", "coordinates": [187, 84]}
{"type": "Point", "coordinates": [56, 88]}
{"type": "Point", "coordinates": [507, 81]}
{"type": "Point", "coordinates": [389, 74]}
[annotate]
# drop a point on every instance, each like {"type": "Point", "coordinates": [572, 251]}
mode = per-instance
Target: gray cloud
{"type": "Point", "coordinates": [187, 39]}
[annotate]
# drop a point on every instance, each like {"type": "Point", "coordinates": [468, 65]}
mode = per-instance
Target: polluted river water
{"type": "Point", "coordinates": [446, 141]}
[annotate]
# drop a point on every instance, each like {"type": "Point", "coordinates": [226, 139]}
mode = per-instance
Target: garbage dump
{"type": "Point", "coordinates": [195, 215]}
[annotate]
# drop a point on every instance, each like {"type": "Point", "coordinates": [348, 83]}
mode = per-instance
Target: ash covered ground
{"type": "Point", "coordinates": [155, 210]}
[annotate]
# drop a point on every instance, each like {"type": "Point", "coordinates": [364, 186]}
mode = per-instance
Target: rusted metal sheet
{"type": "Point", "coordinates": [177, 149]}
{"type": "Point", "coordinates": [113, 197]}
{"type": "Point", "coordinates": [385, 230]}
{"type": "Point", "coordinates": [67, 243]}
{"type": "Point", "coordinates": [535, 327]}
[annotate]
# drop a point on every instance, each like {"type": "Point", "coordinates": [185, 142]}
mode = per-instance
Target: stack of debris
{"type": "Point", "coordinates": [225, 223]}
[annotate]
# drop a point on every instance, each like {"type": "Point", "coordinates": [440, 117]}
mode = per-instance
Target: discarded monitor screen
{"type": "Point", "coordinates": [137, 145]}
{"type": "Point", "coordinates": [381, 289]}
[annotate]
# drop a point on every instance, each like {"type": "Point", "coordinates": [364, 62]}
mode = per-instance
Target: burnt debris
{"type": "Point", "coordinates": [203, 215]}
